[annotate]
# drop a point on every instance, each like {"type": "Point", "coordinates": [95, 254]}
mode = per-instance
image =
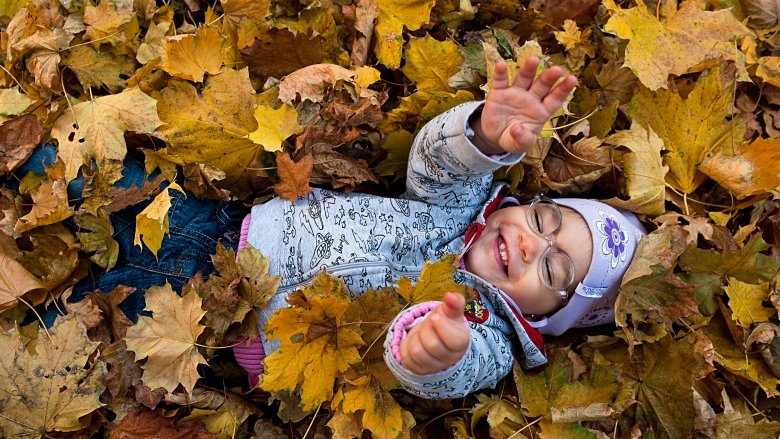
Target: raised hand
{"type": "Point", "coordinates": [514, 114]}
{"type": "Point", "coordinates": [440, 340]}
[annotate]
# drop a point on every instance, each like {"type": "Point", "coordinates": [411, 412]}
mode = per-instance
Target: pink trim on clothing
{"type": "Point", "coordinates": [250, 356]}
{"type": "Point", "coordinates": [406, 322]}
{"type": "Point", "coordinates": [244, 232]}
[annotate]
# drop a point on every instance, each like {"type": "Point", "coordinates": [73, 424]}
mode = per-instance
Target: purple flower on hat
{"type": "Point", "coordinates": [615, 240]}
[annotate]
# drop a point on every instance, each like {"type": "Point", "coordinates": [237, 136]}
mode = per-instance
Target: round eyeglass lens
{"type": "Point", "coordinates": [556, 270]}
{"type": "Point", "coordinates": [546, 217]}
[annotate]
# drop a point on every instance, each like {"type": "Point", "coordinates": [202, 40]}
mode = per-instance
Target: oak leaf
{"type": "Point", "coordinates": [394, 15]}
{"type": "Point", "coordinates": [644, 169]}
{"type": "Point", "coordinates": [431, 63]}
{"type": "Point", "coordinates": [95, 129]}
{"type": "Point", "coordinates": [315, 343]}
{"type": "Point", "coordinates": [274, 126]}
{"type": "Point", "coordinates": [436, 278]}
{"type": "Point", "coordinates": [689, 127]}
{"type": "Point", "coordinates": [745, 301]}
{"type": "Point", "coordinates": [293, 176]}
{"type": "Point", "coordinates": [753, 168]}
{"type": "Point", "coordinates": [50, 390]}
{"type": "Point", "coordinates": [681, 44]}
{"type": "Point", "coordinates": [168, 339]}
{"type": "Point", "coordinates": [196, 133]}
{"type": "Point", "coordinates": [151, 225]}
{"type": "Point", "coordinates": [192, 56]}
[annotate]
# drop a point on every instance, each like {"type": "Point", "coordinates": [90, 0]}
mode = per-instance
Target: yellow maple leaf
{"type": "Point", "coordinates": [153, 44]}
{"type": "Point", "coordinates": [681, 44]}
{"type": "Point", "coordinates": [577, 43]}
{"type": "Point", "coordinates": [95, 129]}
{"type": "Point", "coordinates": [754, 168]}
{"type": "Point", "coordinates": [644, 170]}
{"type": "Point", "coordinates": [689, 127]}
{"type": "Point", "coordinates": [769, 69]}
{"type": "Point", "coordinates": [167, 339]}
{"type": "Point", "coordinates": [50, 390]}
{"type": "Point", "coordinates": [192, 56]}
{"type": "Point", "coordinates": [745, 301]}
{"type": "Point", "coordinates": [381, 414]}
{"type": "Point", "coordinates": [435, 279]}
{"type": "Point", "coordinates": [315, 344]}
{"type": "Point", "coordinates": [430, 63]}
{"type": "Point", "coordinates": [151, 224]}
{"type": "Point", "coordinates": [246, 10]}
{"type": "Point", "coordinates": [196, 133]}
{"type": "Point", "coordinates": [50, 201]}
{"type": "Point", "coordinates": [274, 126]}
{"type": "Point", "coordinates": [394, 15]}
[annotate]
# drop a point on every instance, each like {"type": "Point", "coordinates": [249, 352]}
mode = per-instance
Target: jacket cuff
{"type": "Point", "coordinates": [466, 152]}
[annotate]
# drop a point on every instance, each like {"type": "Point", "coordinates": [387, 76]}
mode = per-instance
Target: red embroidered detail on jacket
{"type": "Point", "coordinates": [475, 312]}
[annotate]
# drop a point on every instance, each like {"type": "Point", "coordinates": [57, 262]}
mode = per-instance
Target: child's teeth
{"type": "Point", "coordinates": [502, 252]}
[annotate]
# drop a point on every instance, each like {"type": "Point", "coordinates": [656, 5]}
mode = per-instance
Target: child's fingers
{"type": "Point", "coordinates": [423, 353]}
{"type": "Point", "coordinates": [500, 76]}
{"type": "Point", "coordinates": [553, 101]}
{"type": "Point", "coordinates": [453, 306]}
{"type": "Point", "coordinates": [525, 77]}
{"type": "Point", "coordinates": [541, 87]}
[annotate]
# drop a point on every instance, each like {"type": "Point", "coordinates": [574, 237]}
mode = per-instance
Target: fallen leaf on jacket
{"type": "Point", "coordinates": [316, 344]}
{"type": "Point", "coordinates": [49, 390]}
{"type": "Point", "coordinates": [167, 340]}
{"type": "Point", "coordinates": [49, 200]}
{"type": "Point", "coordinates": [293, 176]}
{"type": "Point", "coordinates": [436, 278]}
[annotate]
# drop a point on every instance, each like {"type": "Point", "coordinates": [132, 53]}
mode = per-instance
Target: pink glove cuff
{"type": "Point", "coordinates": [405, 322]}
{"type": "Point", "coordinates": [250, 356]}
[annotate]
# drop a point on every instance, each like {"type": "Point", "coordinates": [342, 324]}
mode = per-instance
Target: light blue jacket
{"type": "Point", "coordinates": [372, 241]}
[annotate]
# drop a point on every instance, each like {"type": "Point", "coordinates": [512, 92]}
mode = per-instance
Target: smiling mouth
{"type": "Point", "coordinates": [502, 253]}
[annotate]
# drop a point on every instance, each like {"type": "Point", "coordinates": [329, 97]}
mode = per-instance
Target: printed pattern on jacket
{"type": "Point", "coordinates": [372, 241]}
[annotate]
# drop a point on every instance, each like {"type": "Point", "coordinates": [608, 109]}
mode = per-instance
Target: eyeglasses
{"type": "Point", "coordinates": [556, 269]}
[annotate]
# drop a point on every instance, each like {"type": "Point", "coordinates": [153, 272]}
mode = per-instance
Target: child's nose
{"type": "Point", "coordinates": [532, 245]}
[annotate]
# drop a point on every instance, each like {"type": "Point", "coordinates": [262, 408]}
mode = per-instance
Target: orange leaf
{"type": "Point", "coordinates": [294, 177]}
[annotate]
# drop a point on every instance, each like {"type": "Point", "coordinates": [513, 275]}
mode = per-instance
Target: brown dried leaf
{"type": "Point", "coordinates": [18, 139]}
{"type": "Point", "coordinates": [293, 176]}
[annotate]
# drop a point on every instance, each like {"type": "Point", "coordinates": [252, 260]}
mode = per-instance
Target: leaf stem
{"type": "Point", "coordinates": [40, 319]}
{"type": "Point", "coordinates": [218, 347]}
{"type": "Point", "coordinates": [570, 123]}
{"type": "Point", "coordinates": [14, 78]}
{"type": "Point", "coordinates": [314, 416]}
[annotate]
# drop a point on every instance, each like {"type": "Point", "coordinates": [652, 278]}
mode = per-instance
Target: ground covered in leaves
{"type": "Point", "coordinates": [675, 118]}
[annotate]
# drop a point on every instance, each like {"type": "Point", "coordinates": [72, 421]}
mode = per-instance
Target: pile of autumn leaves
{"type": "Point", "coordinates": [675, 118]}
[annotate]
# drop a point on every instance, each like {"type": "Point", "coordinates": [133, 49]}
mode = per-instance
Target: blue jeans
{"type": "Point", "coordinates": [196, 226]}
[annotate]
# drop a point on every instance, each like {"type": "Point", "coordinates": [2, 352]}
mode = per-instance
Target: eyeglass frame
{"type": "Point", "coordinates": [563, 294]}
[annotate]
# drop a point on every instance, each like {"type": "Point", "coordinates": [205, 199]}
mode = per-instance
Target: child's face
{"type": "Point", "coordinates": [519, 278]}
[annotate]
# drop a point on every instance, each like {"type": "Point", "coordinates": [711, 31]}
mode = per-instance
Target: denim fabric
{"type": "Point", "coordinates": [196, 226]}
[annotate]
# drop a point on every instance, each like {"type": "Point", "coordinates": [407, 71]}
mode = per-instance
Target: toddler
{"type": "Point", "coordinates": [538, 268]}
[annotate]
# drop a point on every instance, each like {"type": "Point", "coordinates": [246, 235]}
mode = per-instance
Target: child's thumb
{"type": "Point", "coordinates": [453, 306]}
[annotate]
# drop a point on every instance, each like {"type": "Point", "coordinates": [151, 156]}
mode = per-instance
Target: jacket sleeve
{"type": "Point", "coordinates": [488, 359]}
{"type": "Point", "coordinates": [445, 168]}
